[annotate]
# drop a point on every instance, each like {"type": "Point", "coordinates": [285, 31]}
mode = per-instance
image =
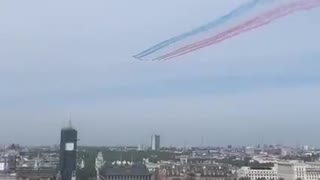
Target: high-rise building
{"type": "Point", "coordinates": [155, 142]}
{"type": "Point", "coordinates": [68, 153]}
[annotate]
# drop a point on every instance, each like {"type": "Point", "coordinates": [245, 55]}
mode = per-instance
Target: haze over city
{"type": "Point", "coordinates": [73, 59]}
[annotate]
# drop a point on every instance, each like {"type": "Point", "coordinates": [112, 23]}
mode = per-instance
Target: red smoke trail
{"type": "Point", "coordinates": [262, 20]}
{"type": "Point", "coordinates": [218, 39]}
{"type": "Point", "coordinates": [240, 27]}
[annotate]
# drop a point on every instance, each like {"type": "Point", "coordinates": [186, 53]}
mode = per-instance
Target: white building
{"type": "Point", "coordinates": [184, 159]}
{"type": "Point", "coordinates": [258, 173]}
{"type": "Point", "coordinates": [249, 150]}
{"type": "Point", "coordinates": [141, 147]}
{"type": "Point", "coordinates": [285, 151]}
{"type": "Point", "coordinates": [293, 170]}
{"type": "Point", "coordinates": [265, 159]}
{"type": "Point", "coordinates": [150, 166]}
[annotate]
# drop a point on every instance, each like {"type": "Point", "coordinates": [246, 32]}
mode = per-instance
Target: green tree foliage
{"type": "Point", "coordinates": [234, 161]}
{"type": "Point", "coordinates": [245, 162]}
{"type": "Point", "coordinates": [89, 170]}
{"type": "Point", "coordinates": [137, 156]}
{"type": "Point", "coordinates": [88, 154]}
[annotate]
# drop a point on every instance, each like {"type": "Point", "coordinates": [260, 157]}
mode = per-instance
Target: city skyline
{"type": "Point", "coordinates": [70, 162]}
{"type": "Point", "coordinates": [145, 144]}
{"type": "Point", "coordinates": [75, 58]}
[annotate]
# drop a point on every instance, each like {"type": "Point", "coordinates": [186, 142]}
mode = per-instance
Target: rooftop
{"type": "Point", "coordinates": [39, 172]}
{"type": "Point", "coordinates": [125, 170]}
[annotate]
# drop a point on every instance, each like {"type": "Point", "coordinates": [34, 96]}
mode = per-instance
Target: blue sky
{"type": "Point", "coordinates": [59, 58]}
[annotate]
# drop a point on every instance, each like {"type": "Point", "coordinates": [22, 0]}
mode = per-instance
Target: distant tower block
{"type": "Point", "coordinates": [155, 142]}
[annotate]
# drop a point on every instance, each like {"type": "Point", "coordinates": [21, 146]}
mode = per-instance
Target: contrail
{"type": "Point", "coordinates": [269, 14]}
{"type": "Point", "coordinates": [241, 10]}
{"type": "Point", "coordinates": [252, 24]}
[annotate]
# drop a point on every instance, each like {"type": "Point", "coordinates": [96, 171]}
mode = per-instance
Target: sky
{"type": "Point", "coordinates": [62, 59]}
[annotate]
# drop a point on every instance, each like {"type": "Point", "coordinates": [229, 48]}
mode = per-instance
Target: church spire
{"type": "Point", "coordinates": [70, 124]}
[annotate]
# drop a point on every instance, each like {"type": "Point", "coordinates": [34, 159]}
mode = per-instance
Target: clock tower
{"type": "Point", "coordinates": [68, 153]}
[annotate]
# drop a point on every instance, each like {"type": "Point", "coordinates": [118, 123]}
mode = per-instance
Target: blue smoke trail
{"type": "Point", "coordinates": [224, 19]}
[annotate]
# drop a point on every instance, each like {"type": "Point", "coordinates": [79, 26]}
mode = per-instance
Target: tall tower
{"type": "Point", "coordinates": [68, 153]}
{"type": "Point", "coordinates": [155, 142]}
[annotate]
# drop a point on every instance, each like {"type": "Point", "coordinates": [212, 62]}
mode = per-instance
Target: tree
{"type": "Point", "coordinates": [88, 154]}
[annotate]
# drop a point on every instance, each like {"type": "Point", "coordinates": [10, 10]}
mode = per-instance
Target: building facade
{"type": "Point", "coordinates": [5, 176]}
{"type": "Point", "coordinates": [299, 170]}
{"type": "Point", "coordinates": [195, 172]}
{"type": "Point", "coordinates": [155, 142]}
{"type": "Point", "coordinates": [68, 152]}
{"type": "Point", "coordinates": [268, 173]}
